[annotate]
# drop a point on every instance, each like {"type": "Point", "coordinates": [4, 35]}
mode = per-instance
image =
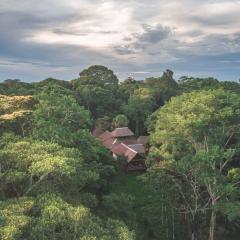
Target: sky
{"type": "Point", "coordinates": [138, 38]}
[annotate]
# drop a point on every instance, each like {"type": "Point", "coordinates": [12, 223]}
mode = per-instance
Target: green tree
{"type": "Point", "coordinates": [104, 123]}
{"type": "Point", "coordinates": [40, 165]}
{"type": "Point", "coordinates": [140, 105]}
{"type": "Point", "coordinates": [14, 87]}
{"type": "Point", "coordinates": [97, 88]}
{"type": "Point", "coordinates": [99, 76]}
{"type": "Point", "coordinates": [58, 116]}
{"type": "Point", "coordinates": [197, 136]}
{"type": "Point", "coordinates": [48, 216]}
{"type": "Point", "coordinates": [188, 84]}
{"type": "Point", "coordinates": [51, 82]}
{"type": "Point", "coordinates": [98, 100]}
{"type": "Point", "coordinates": [163, 88]}
{"type": "Point", "coordinates": [16, 114]}
{"type": "Point", "coordinates": [127, 88]}
{"type": "Point", "coordinates": [14, 218]}
{"type": "Point", "coordinates": [120, 121]}
{"type": "Point", "coordinates": [120, 206]}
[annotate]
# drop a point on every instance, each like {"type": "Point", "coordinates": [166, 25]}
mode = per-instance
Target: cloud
{"type": "Point", "coordinates": [137, 42]}
{"type": "Point", "coordinates": [59, 38]}
{"type": "Point", "coordinates": [152, 35]}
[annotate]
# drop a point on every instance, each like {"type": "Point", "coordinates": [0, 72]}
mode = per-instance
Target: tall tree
{"type": "Point", "coordinates": [58, 116]}
{"type": "Point", "coordinates": [127, 88]}
{"type": "Point", "coordinates": [140, 105]}
{"type": "Point", "coordinates": [98, 75]}
{"type": "Point", "coordinates": [16, 114]}
{"type": "Point", "coordinates": [163, 88]}
{"type": "Point", "coordinates": [49, 216]}
{"type": "Point", "coordinates": [97, 87]}
{"type": "Point", "coordinates": [40, 164]}
{"type": "Point", "coordinates": [197, 136]}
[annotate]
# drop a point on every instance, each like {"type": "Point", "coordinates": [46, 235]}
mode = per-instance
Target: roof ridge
{"type": "Point", "coordinates": [133, 150]}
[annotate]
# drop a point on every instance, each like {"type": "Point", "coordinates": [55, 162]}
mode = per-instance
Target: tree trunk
{"type": "Point", "coordinates": [194, 229]}
{"type": "Point", "coordinates": [212, 225]}
{"type": "Point", "coordinates": [193, 236]}
{"type": "Point", "coordinates": [173, 225]}
{"type": "Point", "coordinates": [38, 182]}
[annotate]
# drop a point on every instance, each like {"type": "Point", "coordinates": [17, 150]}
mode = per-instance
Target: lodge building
{"type": "Point", "coordinates": [122, 142]}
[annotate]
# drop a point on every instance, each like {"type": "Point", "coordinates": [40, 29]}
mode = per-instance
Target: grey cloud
{"type": "Point", "coordinates": [219, 20]}
{"type": "Point", "coordinates": [216, 44]}
{"type": "Point", "coordinates": [40, 60]}
{"type": "Point", "coordinates": [152, 35]}
{"type": "Point", "coordinates": [16, 26]}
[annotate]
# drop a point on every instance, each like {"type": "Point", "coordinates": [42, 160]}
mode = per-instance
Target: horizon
{"type": "Point", "coordinates": [134, 38]}
{"type": "Point", "coordinates": [148, 75]}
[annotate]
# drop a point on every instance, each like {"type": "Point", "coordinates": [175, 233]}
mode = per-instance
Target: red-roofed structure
{"type": "Point", "coordinates": [122, 132]}
{"type": "Point", "coordinates": [135, 157]}
{"type": "Point", "coordinates": [119, 149]}
{"type": "Point", "coordinates": [138, 148]}
{"type": "Point", "coordinates": [105, 136]}
{"type": "Point", "coordinates": [109, 143]}
{"type": "Point", "coordinates": [122, 142]}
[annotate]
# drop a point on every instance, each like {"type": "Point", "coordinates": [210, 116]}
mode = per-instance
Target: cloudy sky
{"type": "Point", "coordinates": [59, 38]}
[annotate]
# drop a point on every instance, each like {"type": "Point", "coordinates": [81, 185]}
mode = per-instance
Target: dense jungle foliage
{"type": "Point", "coordinates": [58, 182]}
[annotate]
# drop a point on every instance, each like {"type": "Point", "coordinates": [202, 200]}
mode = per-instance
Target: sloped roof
{"type": "Point", "coordinates": [109, 143]}
{"type": "Point", "coordinates": [133, 150]}
{"type": "Point", "coordinates": [119, 149]}
{"type": "Point", "coordinates": [130, 154]}
{"type": "Point", "coordinates": [128, 141]}
{"type": "Point", "coordinates": [130, 151]}
{"type": "Point", "coordinates": [142, 140]}
{"type": "Point", "coordinates": [129, 147]}
{"type": "Point", "coordinates": [122, 132]}
{"type": "Point", "coordinates": [105, 136]}
{"type": "Point", "coordinates": [139, 148]}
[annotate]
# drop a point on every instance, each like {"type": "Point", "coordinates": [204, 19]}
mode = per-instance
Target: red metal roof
{"type": "Point", "coordinates": [122, 132]}
{"type": "Point", "coordinates": [122, 146]}
{"type": "Point", "coordinates": [133, 150]}
{"type": "Point", "coordinates": [130, 154]}
{"type": "Point", "coordinates": [128, 141]}
{"type": "Point", "coordinates": [105, 136]}
{"type": "Point", "coordinates": [119, 149]}
{"type": "Point", "coordinates": [109, 143]}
